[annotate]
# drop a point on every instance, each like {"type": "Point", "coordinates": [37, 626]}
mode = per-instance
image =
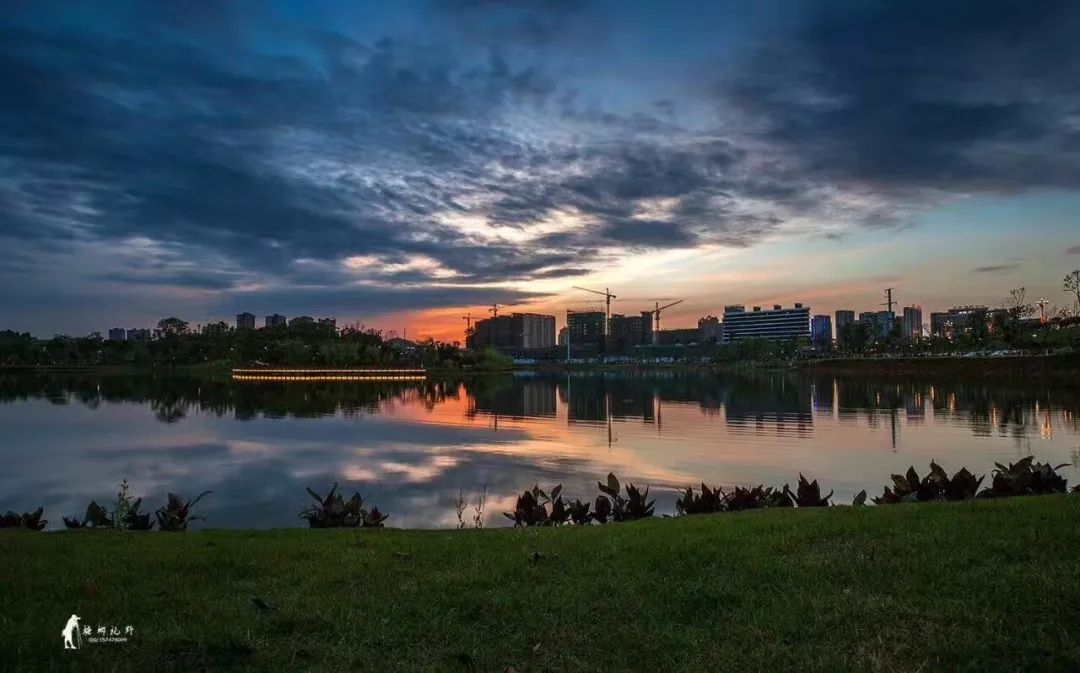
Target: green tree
{"type": "Point", "coordinates": [168, 327]}
{"type": "Point", "coordinates": [1071, 283]}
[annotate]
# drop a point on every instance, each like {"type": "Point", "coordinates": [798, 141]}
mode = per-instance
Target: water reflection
{"type": "Point", "coordinates": [412, 444]}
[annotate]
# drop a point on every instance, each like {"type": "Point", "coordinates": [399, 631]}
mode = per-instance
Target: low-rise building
{"type": "Point", "coordinates": [680, 336]}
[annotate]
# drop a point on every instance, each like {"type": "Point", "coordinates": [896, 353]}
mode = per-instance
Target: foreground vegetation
{"type": "Point", "coordinates": [616, 502]}
{"type": "Point", "coordinates": [979, 585]}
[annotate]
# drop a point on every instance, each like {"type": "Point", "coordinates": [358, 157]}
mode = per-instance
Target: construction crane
{"type": "Point", "coordinates": [888, 299]}
{"type": "Point", "coordinates": [656, 317]}
{"type": "Point", "coordinates": [468, 324]}
{"type": "Point", "coordinates": [494, 310]}
{"type": "Point", "coordinates": [607, 304]}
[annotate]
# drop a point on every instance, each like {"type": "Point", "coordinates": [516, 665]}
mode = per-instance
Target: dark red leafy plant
{"type": "Point", "coordinates": [27, 520]}
{"type": "Point", "coordinates": [808, 494]}
{"type": "Point", "coordinates": [176, 514]}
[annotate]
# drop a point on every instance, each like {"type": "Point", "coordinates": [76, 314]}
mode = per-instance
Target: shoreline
{"type": "Point", "coordinates": [1053, 366]}
{"type": "Point", "coordinates": [1061, 366]}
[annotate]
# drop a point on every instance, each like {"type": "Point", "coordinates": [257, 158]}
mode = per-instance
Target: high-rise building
{"type": "Point", "coordinates": [276, 320]}
{"type": "Point", "coordinates": [779, 324]}
{"type": "Point", "coordinates": [911, 323]}
{"type": "Point", "coordinates": [821, 330]}
{"type": "Point", "coordinates": [117, 334]}
{"type": "Point", "coordinates": [245, 321]}
{"type": "Point", "coordinates": [939, 323]}
{"type": "Point", "coordinates": [138, 334]}
{"type": "Point", "coordinates": [625, 332]}
{"type": "Point", "coordinates": [496, 332]}
{"type": "Point", "coordinates": [330, 323]}
{"type": "Point", "coordinates": [517, 331]}
{"type": "Point", "coordinates": [586, 328]}
{"type": "Point", "coordinates": [879, 324]}
{"type": "Point", "coordinates": [563, 332]}
{"type": "Point", "coordinates": [844, 317]}
{"type": "Point", "coordinates": [301, 320]}
{"type": "Point", "coordinates": [710, 329]}
{"type": "Point", "coordinates": [533, 331]}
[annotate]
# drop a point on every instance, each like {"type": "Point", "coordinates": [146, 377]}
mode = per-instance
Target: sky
{"type": "Point", "coordinates": [404, 164]}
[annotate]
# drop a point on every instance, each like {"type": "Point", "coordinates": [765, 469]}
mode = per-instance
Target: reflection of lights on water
{"type": "Point", "coordinates": [312, 377]}
{"type": "Point", "coordinates": [1047, 429]}
{"type": "Point", "coordinates": [329, 371]}
{"type": "Point", "coordinates": [329, 374]}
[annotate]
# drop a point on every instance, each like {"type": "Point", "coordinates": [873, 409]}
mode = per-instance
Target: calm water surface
{"type": "Point", "coordinates": [411, 446]}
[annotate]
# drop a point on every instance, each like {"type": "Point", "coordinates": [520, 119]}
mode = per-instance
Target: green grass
{"type": "Point", "coordinates": [987, 585]}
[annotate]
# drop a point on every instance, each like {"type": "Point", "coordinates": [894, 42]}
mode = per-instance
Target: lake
{"type": "Point", "coordinates": [412, 446]}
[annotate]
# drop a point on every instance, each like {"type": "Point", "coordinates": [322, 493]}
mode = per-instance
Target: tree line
{"type": "Point", "coordinates": [174, 343]}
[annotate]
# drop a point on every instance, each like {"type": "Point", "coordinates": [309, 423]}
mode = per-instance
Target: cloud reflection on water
{"type": "Point", "coordinates": [411, 447]}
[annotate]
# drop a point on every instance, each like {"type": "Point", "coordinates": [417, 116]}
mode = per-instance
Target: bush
{"type": "Point", "coordinates": [333, 511]}
{"type": "Point", "coordinates": [27, 520]}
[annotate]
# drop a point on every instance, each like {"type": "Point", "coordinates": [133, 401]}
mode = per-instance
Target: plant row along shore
{"type": "Point", "coordinates": [536, 507]}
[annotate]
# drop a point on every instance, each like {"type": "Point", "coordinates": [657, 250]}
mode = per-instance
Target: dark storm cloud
{"type": "Point", "coordinates": [200, 280]}
{"type": "Point", "coordinates": [997, 268]}
{"type": "Point", "coordinates": [924, 95]}
{"type": "Point", "coordinates": [184, 149]}
{"type": "Point", "coordinates": [367, 300]}
{"type": "Point", "coordinates": [531, 23]}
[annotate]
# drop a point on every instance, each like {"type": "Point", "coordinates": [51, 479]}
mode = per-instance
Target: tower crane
{"type": "Point", "coordinates": [494, 310]}
{"type": "Point", "coordinates": [468, 324]}
{"type": "Point", "coordinates": [607, 305]}
{"type": "Point", "coordinates": [656, 316]}
{"type": "Point", "coordinates": [888, 299]}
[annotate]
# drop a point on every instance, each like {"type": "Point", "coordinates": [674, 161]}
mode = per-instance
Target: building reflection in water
{"type": "Point", "coordinates": [780, 402]}
{"type": "Point", "coordinates": [418, 441]}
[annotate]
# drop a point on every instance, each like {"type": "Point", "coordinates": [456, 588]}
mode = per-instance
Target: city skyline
{"type": "Point", "coordinates": [402, 166]}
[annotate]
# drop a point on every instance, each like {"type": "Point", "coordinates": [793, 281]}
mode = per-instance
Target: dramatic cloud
{"type": "Point", "coordinates": [231, 154]}
{"type": "Point", "coordinates": [924, 96]}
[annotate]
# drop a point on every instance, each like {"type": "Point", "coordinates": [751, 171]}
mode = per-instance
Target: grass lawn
{"type": "Point", "coordinates": [980, 586]}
